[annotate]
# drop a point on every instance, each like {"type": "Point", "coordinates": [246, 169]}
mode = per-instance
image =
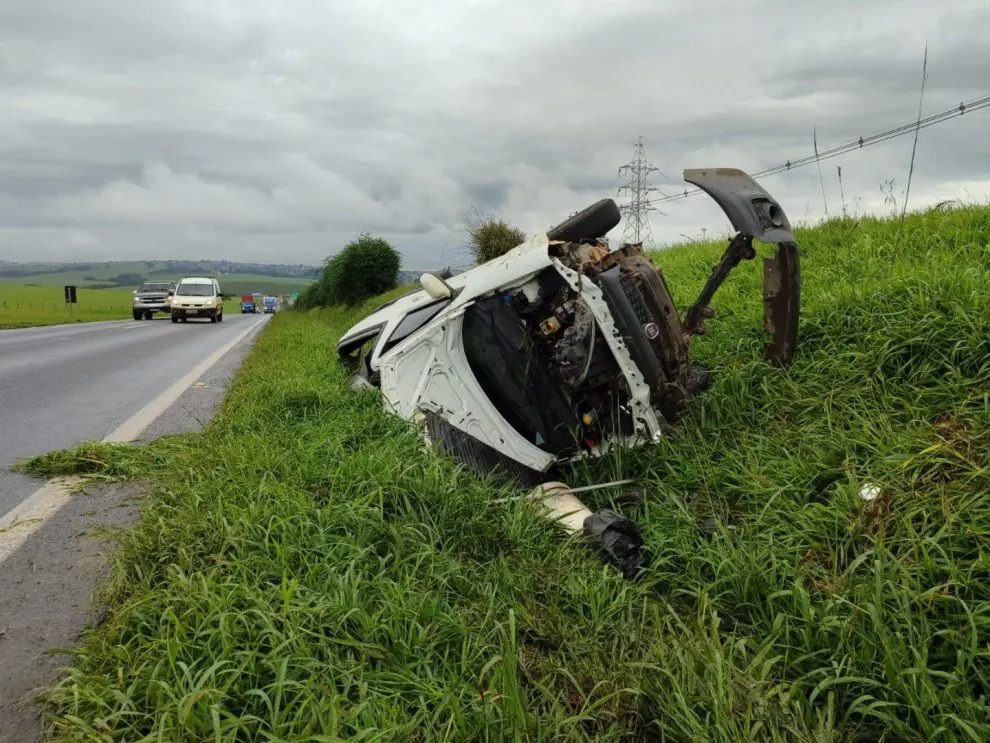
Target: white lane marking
{"type": "Point", "coordinates": [17, 525]}
{"type": "Point", "coordinates": [133, 426]}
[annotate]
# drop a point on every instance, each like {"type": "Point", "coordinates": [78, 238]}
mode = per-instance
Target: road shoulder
{"type": "Point", "coordinates": [50, 586]}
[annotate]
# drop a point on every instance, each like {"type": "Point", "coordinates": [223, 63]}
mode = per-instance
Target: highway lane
{"type": "Point", "coordinates": [63, 384]}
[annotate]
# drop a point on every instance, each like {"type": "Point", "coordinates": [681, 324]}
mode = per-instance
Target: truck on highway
{"type": "Point", "coordinates": [152, 297]}
{"type": "Point", "coordinates": [247, 304]}
{"type": "Point", "coordinates": [270, 305]}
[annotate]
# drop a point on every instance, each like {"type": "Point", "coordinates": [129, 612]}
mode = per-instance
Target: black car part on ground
{"type": "Point", "coordinates": [619, 539]}
{"type": "Point", "coordinates": [756, 215]}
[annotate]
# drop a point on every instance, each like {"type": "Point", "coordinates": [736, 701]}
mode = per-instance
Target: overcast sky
{"type": "Point", "coordinates": [277, 131]}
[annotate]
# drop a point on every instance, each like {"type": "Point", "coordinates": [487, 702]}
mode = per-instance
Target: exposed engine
{"type": "Point", "coordinates": [568, 342]}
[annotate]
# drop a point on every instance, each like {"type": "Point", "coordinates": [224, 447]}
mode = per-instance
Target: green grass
{"type": "Point", "coordinates": [24, 306]}
{"type": "Point", "coordinates": [304, 569]}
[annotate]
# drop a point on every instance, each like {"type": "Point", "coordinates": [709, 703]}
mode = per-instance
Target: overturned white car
{"type": "Point", "coordinates": [562, 347]}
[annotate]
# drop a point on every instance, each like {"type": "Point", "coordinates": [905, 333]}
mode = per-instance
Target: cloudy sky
{"type": "Point", "coordinates": [277, 131]}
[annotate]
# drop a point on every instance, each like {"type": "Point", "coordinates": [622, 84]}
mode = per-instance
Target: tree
{"type": "Point", "coordinates": [491, 237]}
{"type": "Point", "coordinates": [365, 267]}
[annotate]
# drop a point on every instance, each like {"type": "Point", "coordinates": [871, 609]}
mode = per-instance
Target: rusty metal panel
{"type": "Point", "coordinates": [781, 302]}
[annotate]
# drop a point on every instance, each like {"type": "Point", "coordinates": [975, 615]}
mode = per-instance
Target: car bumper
{"type": "Point", "coordinates": [195, 311]}
{"type": "Point", "coordinates": [161, 307]}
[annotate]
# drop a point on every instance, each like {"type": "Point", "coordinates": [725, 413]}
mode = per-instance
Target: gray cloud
{"type": "Point", "coordinates": [257, 130]}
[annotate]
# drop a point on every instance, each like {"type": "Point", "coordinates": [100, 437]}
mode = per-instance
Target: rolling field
{"type": "Point", "coordinates": [305, 569]}
{"type": "Point", "coordinates": [24, 306]}
{"type": "Point", "coordinates": [233, 283]}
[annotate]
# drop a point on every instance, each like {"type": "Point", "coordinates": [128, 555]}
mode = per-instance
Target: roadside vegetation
{"type": "Point", "coordinates": [306, 569]}
{"type": "Point", "coordinates": [489, 237]}
{"type": "Point", "coordinates": [367, 266]}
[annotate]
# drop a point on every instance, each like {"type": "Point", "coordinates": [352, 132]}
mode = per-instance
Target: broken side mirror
{"type": "Point", "coordinates": [436, 287]}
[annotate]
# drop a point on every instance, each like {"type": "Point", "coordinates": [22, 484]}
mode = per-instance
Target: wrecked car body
{"type": "Point", "coordinates": [563, 348]}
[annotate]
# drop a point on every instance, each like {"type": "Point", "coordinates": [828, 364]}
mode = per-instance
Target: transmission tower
{"type": "Point", "coordinates": [636, 211]}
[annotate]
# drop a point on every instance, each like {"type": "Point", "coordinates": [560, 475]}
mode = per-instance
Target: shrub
{"type": "Point", "coordinates": [491, 237]}
{"type": "Point", "coordinates": [366, 267]}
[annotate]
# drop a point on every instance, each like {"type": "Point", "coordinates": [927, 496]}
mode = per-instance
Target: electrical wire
{"type": "Point", "coordinates": [856, 144]}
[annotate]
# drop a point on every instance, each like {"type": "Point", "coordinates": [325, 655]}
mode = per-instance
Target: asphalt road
{"type": "Point", "coordinates": [64, 384]}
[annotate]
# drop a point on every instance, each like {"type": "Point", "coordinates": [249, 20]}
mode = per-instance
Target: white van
{"type": "Point", "coordinates": [197, 297]}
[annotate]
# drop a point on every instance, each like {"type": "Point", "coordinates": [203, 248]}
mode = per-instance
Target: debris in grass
{"type": "Point", "coordinates": [869, 492]}
{"type": "Point", "coordinates": [617, 536]}
{"type": "Point", "coordinates": [619, 539]}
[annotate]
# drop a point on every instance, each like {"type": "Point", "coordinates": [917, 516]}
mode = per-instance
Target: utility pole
{"type": "Point", "coordinates": [637, 209]}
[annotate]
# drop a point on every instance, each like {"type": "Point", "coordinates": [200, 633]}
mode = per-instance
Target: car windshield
{"type": "Point", "coordinates": [195, 290]}
{"type": "Point", "coordinates": [156, 287]}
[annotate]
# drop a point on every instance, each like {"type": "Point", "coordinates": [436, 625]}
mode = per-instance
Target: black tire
{"type": "Point", "coordinates": [591, 222]}
{"type": "Point", "coordinates": [213, 318]}
{"type": "Point", "coordinates": [175, 318]}
{"type": "Point", "coordinates": [183, 318]}
{"type": "Point", "coordinates": [220, 317]}
{"type": "Point", "coordinates": [137, 314]}
{"type": "Point", "coordinates": [149, 315]}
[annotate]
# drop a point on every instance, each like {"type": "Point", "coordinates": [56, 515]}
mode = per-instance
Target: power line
{"type": "Point", "coordinates": [856, 144]}
{"type": "Point", "coordinates": [637, 227]}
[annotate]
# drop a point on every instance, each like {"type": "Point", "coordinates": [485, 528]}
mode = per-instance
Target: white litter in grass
{"type": "Point", "coordinates": [869, 492]}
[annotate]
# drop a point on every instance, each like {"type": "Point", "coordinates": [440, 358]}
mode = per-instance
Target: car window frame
{"type": "Point", "coordinates": [391, 342]}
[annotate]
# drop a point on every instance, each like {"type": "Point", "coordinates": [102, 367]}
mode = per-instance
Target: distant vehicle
{"type": "Point", "coordinates": [248, 305]}
{"type": "Point", "coordinates": [270, 304]}
{"type": "Point", "coordinates": [152, 297]}
{"type": "Point", "coordinates": [196, 296]}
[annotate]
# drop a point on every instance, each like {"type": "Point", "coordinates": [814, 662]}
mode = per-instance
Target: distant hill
{"type": "Point", "coordinates": [235, 277]}
{"type": "Point", "coordinates": [109, 270]}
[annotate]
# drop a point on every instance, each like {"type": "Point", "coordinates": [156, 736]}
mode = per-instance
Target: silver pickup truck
{"type": "Point", "coordinates": [152, 297]}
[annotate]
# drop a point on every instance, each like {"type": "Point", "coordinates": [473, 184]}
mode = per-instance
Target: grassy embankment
{"type": "Point", "coordinates": [305, 568]}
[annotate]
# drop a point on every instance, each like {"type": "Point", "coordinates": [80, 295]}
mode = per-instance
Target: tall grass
{"type": "Point", "coordinates": [305, 569]}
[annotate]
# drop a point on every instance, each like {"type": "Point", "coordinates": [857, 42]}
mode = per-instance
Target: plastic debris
{"type": "Point", "coordinates": [869, 492]}
{"type": "Point", "coordinates": [619, 539]}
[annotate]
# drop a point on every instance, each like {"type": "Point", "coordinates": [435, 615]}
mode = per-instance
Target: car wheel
{"type": "Point", "coordinates": [183, 318]}
{"type": "Point", "coordinates": [137, 315]}
{"type": "Point", "coordinates": [175, 318]}
{"type": "Point", "coordinates": [213, 318]}
{"type": "Point", "coordinates": [591, 222]}
{"type": "Point", "coordinates": [148, 315]}
{"type": "Point", "coordinates": [220, 317]}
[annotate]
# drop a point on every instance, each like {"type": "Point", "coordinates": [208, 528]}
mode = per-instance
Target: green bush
{"type": "Point", "coordinates": [366, 267]}
{"type": "Point", "coordinates": [491, 237]}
